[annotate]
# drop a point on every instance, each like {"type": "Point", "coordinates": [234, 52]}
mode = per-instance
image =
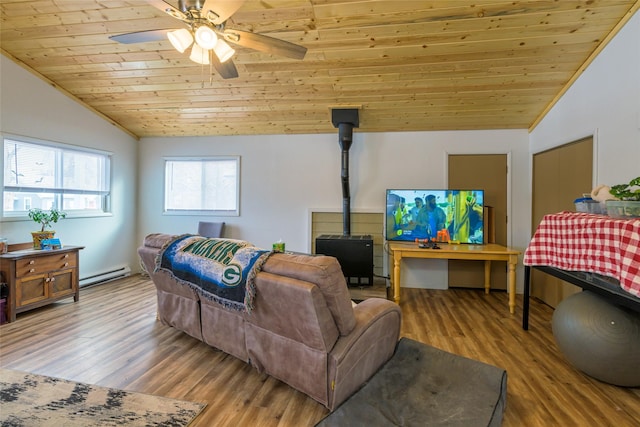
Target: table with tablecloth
{"type": "Point", "coordinates": [570, 241]}
{"type": "Point", "coordinates": [587, 242]}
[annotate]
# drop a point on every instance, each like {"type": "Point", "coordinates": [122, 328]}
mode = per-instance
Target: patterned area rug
{"type": "Point", "coordinates": [36, 400]}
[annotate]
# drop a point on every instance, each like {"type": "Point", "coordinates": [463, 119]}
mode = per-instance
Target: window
{"type": "Point", "coordinates": [45, 175]}
{"type": "Point", "coordinates": [202, 186]}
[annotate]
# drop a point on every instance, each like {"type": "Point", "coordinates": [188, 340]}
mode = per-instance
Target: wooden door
{"type": "Point", "coordinates": [560, 176]}
{"type": "Point", "coordinates": [62, 283]}
{"type": "Point", "coordinates": [32, 289]}
{"type": "Point", "coordinates": [489, 173]}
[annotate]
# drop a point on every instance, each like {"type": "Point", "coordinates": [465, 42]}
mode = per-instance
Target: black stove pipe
{"type": "Point", "coordinates": [345, 135]}
{"type": "Point", "coordinates": [345, 120]}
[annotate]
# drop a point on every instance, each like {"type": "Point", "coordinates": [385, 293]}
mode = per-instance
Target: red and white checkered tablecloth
{"type": "Point", "coordinates": [592, 243]}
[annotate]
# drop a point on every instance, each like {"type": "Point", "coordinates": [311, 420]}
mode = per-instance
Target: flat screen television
{"type": "Point", "coordinates": [435, 214]}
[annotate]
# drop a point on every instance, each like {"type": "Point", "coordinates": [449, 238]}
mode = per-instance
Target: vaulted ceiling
{"type": "Point", "coordinates": [407, 65]}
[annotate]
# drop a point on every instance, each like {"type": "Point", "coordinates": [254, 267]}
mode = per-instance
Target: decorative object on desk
{"type": "Point", "coordinates": [427, 244]}
{"type": "Point", "coordinates": [589, 205]}
{"type": "Point", "coordinates": [599, 338]}
{"type": "Point", "coordinates": [30, 399]}
{"type": "Point", "coordinates": [623, 209]}
{"type": "Point", "coordinates": [4, 245]}
{"type": "Point", "coordinates": [630, 191]}
{"type": "Point", "coordinates": [602, 193]}
{"type": "Point", "coordinates": [49, 244]}
{"type": "Point", "coordinates": [626, 202]}
{"type": "Point", "coordinates": [425, 386]}
{"type": "Point", "coordinates": [45, 219]}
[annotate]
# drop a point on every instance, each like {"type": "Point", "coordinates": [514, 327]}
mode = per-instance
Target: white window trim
{"type": "Point", "coordinates": [201, 212]}
{"type": "Point", "coordinates": [85, 213]}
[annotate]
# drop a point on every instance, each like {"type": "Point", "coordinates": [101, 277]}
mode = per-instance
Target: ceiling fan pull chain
{"type": "Point", "coordinates": [202, 75]}
{"type": "Point", "coordinates": [211, 68]}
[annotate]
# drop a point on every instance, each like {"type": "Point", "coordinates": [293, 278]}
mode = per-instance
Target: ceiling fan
{"type": "Point", "coordinates": [206, 34]}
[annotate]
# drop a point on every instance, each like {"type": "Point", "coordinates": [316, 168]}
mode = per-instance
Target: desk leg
{"type": "Point", "coordinates": [525, 301]}
{"type": "Point", "coordinates": [512, 287]}
{"type": "Point", "coordinates": [487, 276]}
{"type": "Point", "coordinates": [11, 304]}
{"type": "Point", "coordinates": [396, 277]}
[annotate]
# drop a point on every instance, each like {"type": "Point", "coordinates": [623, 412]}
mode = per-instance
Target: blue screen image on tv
{"type": "Point", "coordinates": [423, 213]}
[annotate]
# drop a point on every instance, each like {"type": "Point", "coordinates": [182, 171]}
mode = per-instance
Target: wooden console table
{"type": "Point", "coordinates": [39, 277]}
{"type": "Point", "coordinates": [487, 253]}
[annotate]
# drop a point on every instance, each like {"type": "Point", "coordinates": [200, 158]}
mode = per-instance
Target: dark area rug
{"type": "Point", "coordinates": [424, 386]}
{"type": "Point", "coordinates": [36, 400]}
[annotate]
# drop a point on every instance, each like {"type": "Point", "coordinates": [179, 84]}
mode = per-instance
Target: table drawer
{"type": "Point", "coordinates": [44, 264]}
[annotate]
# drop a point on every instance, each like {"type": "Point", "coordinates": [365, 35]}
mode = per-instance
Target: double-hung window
{"type": "Point", "coordinates": [45, 175]}
{"type": "Point", "coordinates": [204, 186]}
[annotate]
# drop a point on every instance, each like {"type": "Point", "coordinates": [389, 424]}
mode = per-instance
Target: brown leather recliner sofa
{"type": "Point", "coordinates": [303, 329]}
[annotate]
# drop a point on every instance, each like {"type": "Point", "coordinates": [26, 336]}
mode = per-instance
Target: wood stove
{"type": "Point", "coordinates": [354, 253]}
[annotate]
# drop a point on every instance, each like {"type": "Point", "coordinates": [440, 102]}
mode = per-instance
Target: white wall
{"type": "Point", "coordinates": [604, 101]}
{"type": "Point", "coordinates": [284, 177]}
{"type": "Point", "coordinates": [30, 107]}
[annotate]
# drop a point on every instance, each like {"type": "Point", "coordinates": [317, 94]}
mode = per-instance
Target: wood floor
{"type": "Point", "coordinates": [111, 338]}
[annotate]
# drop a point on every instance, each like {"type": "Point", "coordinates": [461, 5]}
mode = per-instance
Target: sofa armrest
{"type": "Point", "coordinates": [359, 355]}
{"type": "Point", "coordinates": [157, 240]}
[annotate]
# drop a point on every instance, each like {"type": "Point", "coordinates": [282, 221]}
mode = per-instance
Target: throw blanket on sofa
{"type": "Point", "coordinates": [221, 270]}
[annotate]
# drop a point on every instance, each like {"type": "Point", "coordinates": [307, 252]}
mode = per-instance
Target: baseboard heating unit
{"type": "Point", "coordinates": [116, 273]}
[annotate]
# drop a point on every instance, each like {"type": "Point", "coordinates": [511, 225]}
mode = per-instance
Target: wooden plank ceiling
{"type": "Point", "coordinates": [408, 65]}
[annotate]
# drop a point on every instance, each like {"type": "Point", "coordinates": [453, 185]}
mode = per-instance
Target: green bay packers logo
{"type": "Point", "coordinates": [232, 275]}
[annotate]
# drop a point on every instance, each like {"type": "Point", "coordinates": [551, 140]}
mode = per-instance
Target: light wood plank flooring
{"type": "Point", "coordinates": [111, 338]}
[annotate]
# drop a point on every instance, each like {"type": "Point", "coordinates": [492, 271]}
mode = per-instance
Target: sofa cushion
{"type": "Point", "coordinates": [324, 272]}
{"type": "Point", "coordinates": [293, 309]}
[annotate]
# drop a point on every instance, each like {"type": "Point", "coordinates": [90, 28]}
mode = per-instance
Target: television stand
{"type": "Point", "coordinates": [487, 253]}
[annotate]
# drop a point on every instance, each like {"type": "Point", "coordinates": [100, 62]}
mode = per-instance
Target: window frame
{"type": "Point", "coordinates": [202, 212]}
{"type": "Point", "coordinates": [104, 195]}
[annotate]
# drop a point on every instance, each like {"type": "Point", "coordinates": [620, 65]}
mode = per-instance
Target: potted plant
{"type": "Point", "coordinates": [45, 219]}
{"type": "Point", "coordinates": [627, 204]}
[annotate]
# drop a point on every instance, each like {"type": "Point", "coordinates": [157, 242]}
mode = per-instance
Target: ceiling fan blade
{"type": "Point", "coordinates": [227, 69]}
{"type": "Point", "coordinates": [265, 44]}
{"type": "Point", "coordinates": [141, 36]}
{"type": "Point", "coordinates": [222, 10]}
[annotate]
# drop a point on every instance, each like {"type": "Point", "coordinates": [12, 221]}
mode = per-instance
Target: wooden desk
{"type": "Point", "coordinates": [39, 277]}
{"type": "Point", "coordinates": [487, 253]}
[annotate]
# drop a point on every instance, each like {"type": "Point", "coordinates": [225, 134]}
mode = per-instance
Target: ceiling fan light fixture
{"type": "Point", "coordinates": [223, 51]}
{"type": "Point", "coordinates": [180, 39]}
{"type": "Point", "coordinates": [199, 55]}
{"type": "Point", "coordinates": [206, 38]}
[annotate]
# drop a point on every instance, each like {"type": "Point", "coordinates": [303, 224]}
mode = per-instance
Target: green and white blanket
{"type": "Point", "coordinates": [221, 270]}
